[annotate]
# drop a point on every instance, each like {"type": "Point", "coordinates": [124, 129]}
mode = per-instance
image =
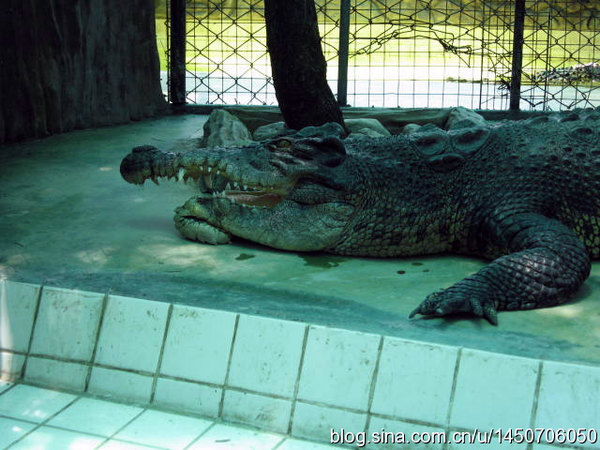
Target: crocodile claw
{"type": "Point", "coordinates": [449, 302]}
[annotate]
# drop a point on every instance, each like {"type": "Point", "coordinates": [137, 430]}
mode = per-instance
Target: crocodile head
{"type": "Point", "coordinates": [285, 193]}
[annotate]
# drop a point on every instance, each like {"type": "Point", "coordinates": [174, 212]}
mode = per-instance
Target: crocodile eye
{"type": "Point", "coordinates": [283, 143]}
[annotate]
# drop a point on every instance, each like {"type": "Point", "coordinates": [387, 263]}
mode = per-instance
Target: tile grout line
{"type": "Point", "coordinates": [143, 410]}
{"type": "Point", "coordinates": [149, 375]}
{"type": "Point", "coordinates": [43, 422]}
{"type": "Point", "coordinates": [536, 394]}
{"type": "Point", "coordinates": [229, 360]}
{"type": "Point", "coordinates": [106, 366]}
{"type": "Point", "coordinates": [137, 444]}
{"type": "Point", "coordinates": [373, 384]}
{"type": "Point", "coordinates": [72, 430]}
{"type": "Point", "coordinates": [453, 392]}
{"type": "Point", "coordinates": [280, 443]}
{"type": "Point", "coordinates": [232, 388]}
{"type": "Point", "coordinates": [36, 312]}
{"type": "Point", "coordinates": [297, 382]}
{"type": "Point", "coordinates": [186, 380]}
{"type": "Point", "coordinates": [20, 419]}
{"type": "Point", "coordinates": [12, 385]}
{"type": "Point", "coordinates": [199, 436]}
{"type": "Point", "coordinates": [15, 352]}
{"type": "Point", "coordinates": [117, 401]}
{"type": "Point", "coordinates": [161, 353]}
{"type": "Point", "coordinates": [103, 307]}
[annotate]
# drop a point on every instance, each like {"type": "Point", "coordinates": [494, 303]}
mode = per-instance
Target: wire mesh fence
{"type": "Point", "coordinates": [406, 53]}
{"type": "Point", "coordinates": [561, 55]}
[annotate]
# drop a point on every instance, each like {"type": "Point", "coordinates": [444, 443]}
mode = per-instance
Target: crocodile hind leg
{"type": "Point", "coordinates": [546, 266]}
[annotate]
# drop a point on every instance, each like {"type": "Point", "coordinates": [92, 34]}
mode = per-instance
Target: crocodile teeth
{"type": "Point", "coordinates": [245, 187]}
{"type": "Point", "coordinates": [180, 174]}
{"type": "Point", "coordinates": [209, 169]}
{"type": "Point", "coordinates": [228, 186]}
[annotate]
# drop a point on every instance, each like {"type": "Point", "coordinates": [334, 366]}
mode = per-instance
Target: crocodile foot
{"type": "Point", "coordinates": [450, 301]}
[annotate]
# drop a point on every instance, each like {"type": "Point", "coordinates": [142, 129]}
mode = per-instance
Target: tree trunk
{"type": "Point", "coordinates": [68, 64]}
{"type": "Point", "coordinates": [298, 65]}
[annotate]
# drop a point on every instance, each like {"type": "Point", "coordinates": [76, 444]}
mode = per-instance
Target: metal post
{"type": "Point", "coordinates": [177, 60]}
{"type": "Point", "coordinates": [517, 55]}
{"type": "Point", "coordinates": [342, 86]}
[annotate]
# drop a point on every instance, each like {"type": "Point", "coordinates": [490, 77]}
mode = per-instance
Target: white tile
{"type": "Point", "coordinates": [414, 381]}
{"type": "Point", "coordinates": [392, 434]}
{"type": "Point", "coordinates": [67, 323]}
{"type": "Point", "coordinates": [11, 430]}
{"type": "Point", "coordinates": [338, 367]}
{"type": "Point", "coordinates": [297, 444]}
{"type": "Point", "coordinates": [17, 308]}
{"type": "Point", "coordinates": [266, 355]}
{"type": "Point", "coordinates": [188, 397]}
{"type": "Point", "coordinates": [493, 391]}
{"type": "Point", "coordinates": [120, 445]}
{"type": "Point", "coordinates": [198, 344]}
{"type": "Point", "coordinates": [57, 374]}
{"type": "Point", "coordinates": [235, 438]}
{"type": "Point", "coordinates": [32, 403]}
{"type": "Point", "coordinates": [569, 396]}
{"type": "Point", "coordinates": [132, 333]}
{"type": "Point", "coordinates": [125, 386]}
{"type": "Point", "coordinates": [11, 365]}
{"type": "Point", "coordinates": [163, 429]}
{"type": "Point", "coordinates": [47, 438]}
{"type": "Point", "coordinates": [319, 422]}
{"type": "Point", "coordinates": [266, 413]}
{"type": "Point", "coordinates": [90, 415]}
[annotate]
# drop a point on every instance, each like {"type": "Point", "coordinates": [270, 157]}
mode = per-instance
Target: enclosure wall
{"type": "Point", "coordinates": [67, 65]}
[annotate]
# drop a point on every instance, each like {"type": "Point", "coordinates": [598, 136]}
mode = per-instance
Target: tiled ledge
{"type": "Point", "coordinates": [287, 377]}
{"type": "Point", "coordinates": [36, 418]}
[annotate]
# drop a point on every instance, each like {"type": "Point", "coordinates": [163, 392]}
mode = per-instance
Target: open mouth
{"type": "Point", "coordinates": [214, 179]}
{"type": "Point", "coordinates": [255, 198]}
{"type": "Point", "coordinates": [217, 184]}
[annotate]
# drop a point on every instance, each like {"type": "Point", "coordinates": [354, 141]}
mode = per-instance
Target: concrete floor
{"type": "Point", "coordinates": [69, 220]}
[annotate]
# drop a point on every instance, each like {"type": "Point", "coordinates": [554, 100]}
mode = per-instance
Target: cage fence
{"type": "Point", "coordinates": [404, 53]}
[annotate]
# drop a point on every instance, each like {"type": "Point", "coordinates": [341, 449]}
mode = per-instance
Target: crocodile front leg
{"type": "Point", "coordinates": [547, 266]}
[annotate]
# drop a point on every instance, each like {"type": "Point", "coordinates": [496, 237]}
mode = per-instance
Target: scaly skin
{"type": "Point", "coordinates": [523, 194]}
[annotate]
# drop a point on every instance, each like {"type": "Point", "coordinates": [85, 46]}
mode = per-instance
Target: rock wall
{"type": "Point", "coordinates": [67, 64]}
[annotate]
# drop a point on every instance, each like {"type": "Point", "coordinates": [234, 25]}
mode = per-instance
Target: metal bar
{"type": "Point", "coordinates": [517, 55]}
{"type": "Point", "coordinates": [342, 84]}
{"type": "Point", "coordinates": [177, 60]}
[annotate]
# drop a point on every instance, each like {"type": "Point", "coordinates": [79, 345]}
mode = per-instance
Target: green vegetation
{"type": "Point", "coordinates": [240, 50]}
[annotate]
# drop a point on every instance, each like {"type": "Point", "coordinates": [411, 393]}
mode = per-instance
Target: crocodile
{"type": "Point", "coordinates": [522, 194]}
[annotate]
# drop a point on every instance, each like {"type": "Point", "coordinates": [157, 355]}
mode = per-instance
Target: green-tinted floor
{"type": "Point", "coordinates": [68, 219]}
